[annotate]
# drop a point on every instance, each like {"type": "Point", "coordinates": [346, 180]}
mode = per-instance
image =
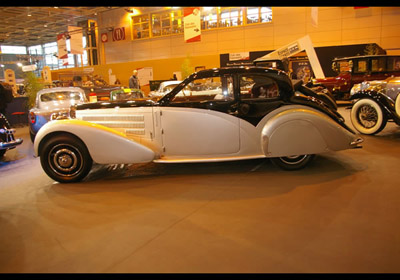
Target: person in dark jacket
{"type": "Point", "coordinates": [6, 96]}
{"type": "Point", "coordinates": [134, 80]}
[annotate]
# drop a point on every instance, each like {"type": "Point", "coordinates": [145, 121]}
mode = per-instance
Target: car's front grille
{"type": "Point", "coordinates": [131, 124]}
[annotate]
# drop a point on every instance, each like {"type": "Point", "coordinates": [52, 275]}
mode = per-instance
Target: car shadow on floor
{"type": "Point", "coordinates": [328, 166]}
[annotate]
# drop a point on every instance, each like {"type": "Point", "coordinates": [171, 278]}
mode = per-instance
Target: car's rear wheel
{"type": "Point", "coordinates": [294, 162]}
{"type": "Point", "coordinates": [367, 116]}
{"type": "Point", "coordinates": [65, 158]}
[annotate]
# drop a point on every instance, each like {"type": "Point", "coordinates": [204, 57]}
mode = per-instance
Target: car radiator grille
{"type": "Point", "coordinates": [132, 125]}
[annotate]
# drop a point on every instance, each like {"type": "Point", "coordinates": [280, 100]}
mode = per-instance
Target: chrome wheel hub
{"type": "Point", "coordinates": [293, 159]}
{"type": "Point", "coordinates": [368, 116]}
{"type": "Point", "coordinates": [65, 160]}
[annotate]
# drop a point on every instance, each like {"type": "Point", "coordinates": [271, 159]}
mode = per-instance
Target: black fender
{"type": "Point", "coordinates": [387, 105]}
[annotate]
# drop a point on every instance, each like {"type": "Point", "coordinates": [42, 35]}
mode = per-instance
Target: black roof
{"type": "Point", "coordinates": [235, 70]}
{"type": "Point", "coordinates": [364, 56]}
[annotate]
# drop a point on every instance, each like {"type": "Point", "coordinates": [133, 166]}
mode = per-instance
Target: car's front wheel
{"type": "Point", "coordinates": [65, 158]}
{"type": "Point", "coordinates": [367, 116]}
{"type": "Point", "coordinates": [294, 162]}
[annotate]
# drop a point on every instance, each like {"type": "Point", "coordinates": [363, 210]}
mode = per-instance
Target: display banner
{"type": "Point", "coordinates": [239, 56]}
{"type": "Point", "coordinates": [76, 39]}
{"type": "Point", "coordinates": [192, 27]}
{"type": "Point", "coordinates": [62, 46]}
{"type": "Point", "coordinates": [145, 75]}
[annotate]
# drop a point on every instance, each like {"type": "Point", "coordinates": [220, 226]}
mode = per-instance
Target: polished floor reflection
{"type": "Point", "coordinates": [338, 215]}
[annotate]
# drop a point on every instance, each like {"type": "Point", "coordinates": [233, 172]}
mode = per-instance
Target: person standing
{"type": "Point", "coordinates": [6, 96]}
{"type": "Point", "coordinates": [134, 80]}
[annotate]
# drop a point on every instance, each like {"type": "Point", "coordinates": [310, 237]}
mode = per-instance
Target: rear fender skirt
{"type": "Point", "coordinates": [105, 145]}
{"type": "Point", "coordinates": [299, 131]}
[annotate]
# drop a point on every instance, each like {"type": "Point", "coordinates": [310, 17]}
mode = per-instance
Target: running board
{"type": "Point", "coordinates": [186, 160]}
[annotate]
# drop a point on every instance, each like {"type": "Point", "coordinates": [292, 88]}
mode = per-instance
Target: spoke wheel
{"type": "Point", "coordinates": [294, 162]}
{"type": "Point", "coordinates": [65, 158]}
{"type": "Point", "coordinates": [367, 116]}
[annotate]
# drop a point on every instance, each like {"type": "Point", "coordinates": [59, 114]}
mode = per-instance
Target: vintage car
{"type": "Point", "coordinates": [375, 103]}
{"type": "Point", "coordinates": [7, 139]}
{"type": "Point", "coordinates": [94, 94]}
{"type": "Point", "coordinates": [164, 88]}
{"type": "Point", "coordinates": [126, 94]}
{"type": "Point", "coordinates": [357, 69]}
{"type": "Point", "coordinates": [234, 121]}
{"type": "Point", "coordinates": [52, 103]}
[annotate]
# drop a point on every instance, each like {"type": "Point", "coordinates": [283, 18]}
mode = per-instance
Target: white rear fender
{"type": "Point", "coordinates": [299, 131]}
{"type": "Point", "coordinates": [105, 145]}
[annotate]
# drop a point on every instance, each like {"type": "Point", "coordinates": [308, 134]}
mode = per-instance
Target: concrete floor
{"type": "Point", "coordinates": [341, 214]}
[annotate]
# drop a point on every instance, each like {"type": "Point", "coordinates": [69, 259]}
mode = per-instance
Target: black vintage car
{"type": "Point", "coordinates": [7, 139]}
{"type": "Point", "coordinates": [375, 103]}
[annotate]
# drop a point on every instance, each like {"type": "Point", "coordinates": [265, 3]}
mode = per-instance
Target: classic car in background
{"type": "Point", "coordinates": [164, 88]}
{"type": "Point", "coordinates": [7, 139]}
{"type": "Point", "coordinates": [357, 69]}
{"type": "Point", "coordinates": [234, 120]}
{"type": "Point", "coordinates": [126, 94]}
{"type": "Point", "coordinates": [301, 86]}
{"type": "Point", "coordinates": [94, 94]}
{"type": "Point", "coordinates": [52, 103]}
{"type": "Point", "coordinates": [375, 103]}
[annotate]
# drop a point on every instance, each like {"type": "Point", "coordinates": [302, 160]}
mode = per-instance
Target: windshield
{"type": "Point", "coordinates": [168, 88]}
{"type": "Point", "coordinates": [60, 96]}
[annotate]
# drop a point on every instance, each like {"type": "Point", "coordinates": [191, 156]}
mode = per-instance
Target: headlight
{"type": "Point", "coordinates": [356, 88]}
{"type": "Point", "coordinates": [59, 115]}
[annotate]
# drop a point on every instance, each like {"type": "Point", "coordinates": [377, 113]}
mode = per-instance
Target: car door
{"type": "Point", "coordinates": [197, 123]}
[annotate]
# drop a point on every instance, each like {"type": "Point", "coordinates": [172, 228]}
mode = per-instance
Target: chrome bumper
{"type": "Point", "coordinates": [10, 142]}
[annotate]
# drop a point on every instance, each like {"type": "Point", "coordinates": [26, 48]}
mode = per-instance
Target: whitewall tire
{"type": "Point", "coordinates": [367, 116]}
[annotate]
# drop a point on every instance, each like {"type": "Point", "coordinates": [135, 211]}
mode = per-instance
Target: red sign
{"type": "Point", "coordinates": [192, 29]}
{"type": "Point", "coordinates": [119, 34]}
{"type": "Point", "coordinates": [104, 37]}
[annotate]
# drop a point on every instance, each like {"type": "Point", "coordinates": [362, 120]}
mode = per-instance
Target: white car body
{"type": "Point", "coordinates": [204, 124]}
{"type": "Point", "coordinates": [164, 88]}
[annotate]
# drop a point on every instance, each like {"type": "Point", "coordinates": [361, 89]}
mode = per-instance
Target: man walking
{"type": "Point", "coordinates": [134, 80]}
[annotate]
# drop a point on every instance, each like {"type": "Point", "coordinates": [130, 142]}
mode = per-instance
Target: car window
{"type": "Point", "coordinates": [168, 88]}
{"type": "Point", "coordinates": [258, 86]}
{"type": "Point", "coordinates": [206, 89]}
{"type": "Point", "coordinates": [361, 66]}
{"type": "Point", "coordinates": [344, 66]}
{"type": "Point", "coordinates": [60, 96]}
{"type": "Point", "coordinates": [393, 64]}
{"type": "Point", "coordinates": [378, 64]}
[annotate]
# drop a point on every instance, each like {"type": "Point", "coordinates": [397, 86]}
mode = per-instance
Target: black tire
{"type": "Point", "coordinates": [2, 152]}
{"type": "Point", "coordinates": [367, 116]}
{"type": "Point", "coordinates": [32, 136]}
{"type": "Point", "coordinates": [293, 162]}
{"type": "Point", "coordinates": [65, 158]}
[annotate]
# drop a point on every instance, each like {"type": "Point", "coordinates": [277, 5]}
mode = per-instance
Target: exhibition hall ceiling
{"type": "Point", "coordinates": [28, 26]}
